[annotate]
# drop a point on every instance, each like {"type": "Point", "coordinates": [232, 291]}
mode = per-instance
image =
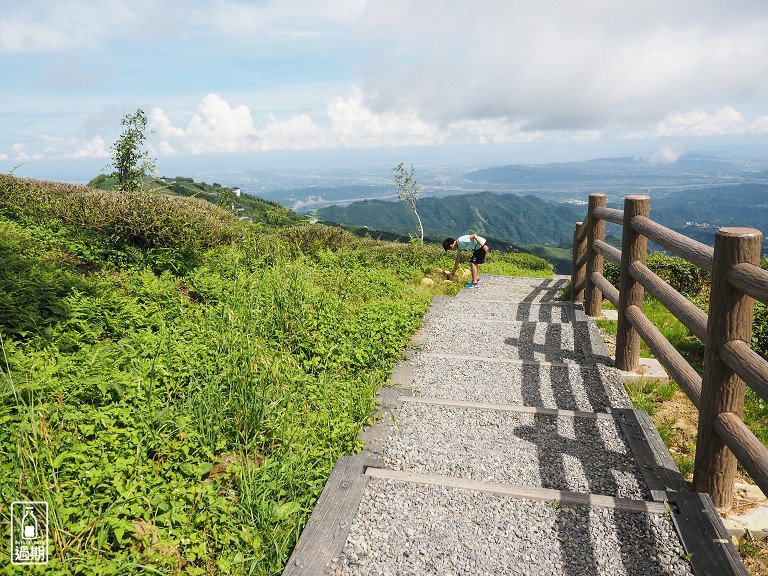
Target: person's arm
{"type": "Point", "coordinates": [456, 262]}
{"type": "Point", "coordinates": [480, 240]}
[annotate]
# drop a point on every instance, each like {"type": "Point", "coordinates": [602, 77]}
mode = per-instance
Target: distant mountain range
{"type": "Point", "coordinates": [699, 213]}
{"type": "Point", "coordinates": [509, 217]}
{"type": "Point", "coordinates": [528, 220]}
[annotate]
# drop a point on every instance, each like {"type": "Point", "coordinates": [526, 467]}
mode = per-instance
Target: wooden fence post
{"type": "Point", "coordinates": [593, 298]}
{"type": "Point", "coordinates": [577, 273]}
{"type": "Point", "coordinates": [730, 318]}
{"type": "Point", "coordinates": [634, 248]}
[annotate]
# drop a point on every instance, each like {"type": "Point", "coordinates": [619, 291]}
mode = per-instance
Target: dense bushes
{"type": "Point", "coordinates": [142, 219]}
{"type": "Point", "coordinates": [181, 414]}
{"type": "Point", "coordinates": [686, 278]}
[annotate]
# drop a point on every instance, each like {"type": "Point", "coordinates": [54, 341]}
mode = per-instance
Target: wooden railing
{"type": "Point", "coordinates": [726, 331]}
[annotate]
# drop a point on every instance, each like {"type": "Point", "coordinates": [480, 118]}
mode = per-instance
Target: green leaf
{"type": "Point", "coordinates": [286, 510]}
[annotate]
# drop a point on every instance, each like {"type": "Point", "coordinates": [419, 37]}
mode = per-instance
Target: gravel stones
{"type": "Point", "coordinates": [562, 453]}
{"type": "Point", "coordinates": [564, 386]}
{"type": "Point", "coordinates": [506, 343]}
{"type": "Point", "coordinates": [403, 528]}
{"type": "Point", "coordinates": [535, 341]}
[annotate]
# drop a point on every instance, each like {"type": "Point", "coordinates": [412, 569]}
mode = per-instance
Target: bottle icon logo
{"type": "Point", "coordinates": [29, 524]}
{"type": "Point", "coordinates": [29, 532]}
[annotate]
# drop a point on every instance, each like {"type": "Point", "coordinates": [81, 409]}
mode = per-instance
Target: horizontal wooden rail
{"type": "Point", "coordinates": [683, 309]}
{"type": "Point", "coordinates": [613, 254]}
{"type": "Point", "coordinates": [580, 284]}
{"type": "Point", "coordinates": [751, 280]}
{"type": "Point", "coordinates": [582, 259]}
{"type": "Point", "coordinates": [693, 251]}
{"type": "Point", "coordinates": [748, 364]}
{"type": "Point", "coordinates": [609, 290]}
{"type": "Point", "coordinates": [747, 448]}
{"type": "Point", "coordinates": [610, 214]}
{"type": "Point", "coordinates": [688, 379]}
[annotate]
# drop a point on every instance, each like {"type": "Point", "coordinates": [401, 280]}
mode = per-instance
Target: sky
{"type": "Point", "coordinates": [229, 83]}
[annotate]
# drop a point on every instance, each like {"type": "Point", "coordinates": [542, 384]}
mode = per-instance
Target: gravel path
{"type": "Point", "coordinates": [517, 340]}
{"type": "Point", "coordinates": [575, 454]}
{"type": "Point", "coordinates": [404, 528]}
{"type": "Point", "coordinates": [502, 347]}
{"type": "Point", "coordinates": [568, 387]}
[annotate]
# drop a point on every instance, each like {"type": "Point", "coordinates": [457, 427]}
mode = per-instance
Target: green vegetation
{"type": "Point", "coordinates": [245, 207]}
{"type": "Point", "coordinates": [510, 218]}
{"type": "Point", "coordinates": [177, 384]}
{"type": "Point", "coordinates": [130, 162]}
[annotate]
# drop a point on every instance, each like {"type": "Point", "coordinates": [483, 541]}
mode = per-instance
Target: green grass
{"type": "Point", "coordinates": [180, 413]}
{"type": "Point", "coordinates": [517, 264]}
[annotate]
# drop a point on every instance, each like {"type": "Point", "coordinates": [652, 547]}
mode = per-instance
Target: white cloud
{"type": "Point", "coordinates": [96, 148]}
{"type": "Point", "coordinates": [428, 72]}
{"type": "Point", "coordinates": [760, 126]}
{"type": "Point", "coordinates": [699, 123]}
{"type": "Point", "coordinates": [41, 26]}
{"type": "Point", "coordinates": [4, 157]}
{"type": "Point", "coordinates": [356, 125]}
{"type": "Point", "coordinates": [220, 128]}
{"type": "Point", "coordinates": [20, 153]}
{"type": "Point", "coordinates": [564, 65]}
{"type": "Point", "coordinates": [667, 154]}
{"type": "Point", "coordinates": [347, 122]}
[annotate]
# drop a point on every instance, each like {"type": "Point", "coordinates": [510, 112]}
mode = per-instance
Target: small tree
{"type": "Point", "coordinates": [129, 161]}
{"type": "Point", "coordinates": [409, 191]}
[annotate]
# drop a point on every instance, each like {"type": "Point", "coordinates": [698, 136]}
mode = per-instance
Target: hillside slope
{"type": "Point", "coordinates": [508, 217]}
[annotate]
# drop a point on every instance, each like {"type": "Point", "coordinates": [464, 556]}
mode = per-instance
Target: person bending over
{"type": "Point", "coordinates": [468, 242]}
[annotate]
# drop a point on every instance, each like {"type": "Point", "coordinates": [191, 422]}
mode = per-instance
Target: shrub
{"type": "Point", "coordinates": [314, 237]}
{"type": "Point", "coordinates": [146, 220]}
{"type": "Point", "coordinates": [686, 278]}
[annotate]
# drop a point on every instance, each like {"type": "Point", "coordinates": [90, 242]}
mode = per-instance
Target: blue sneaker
{"type": "Point", "coordinates": [470, 285]}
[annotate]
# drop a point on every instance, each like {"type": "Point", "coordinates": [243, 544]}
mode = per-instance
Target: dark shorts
{"type": "Point", "coordinates": [478, 256]}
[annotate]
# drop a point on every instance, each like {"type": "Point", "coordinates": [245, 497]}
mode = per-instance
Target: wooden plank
{"type": "Point", "coordinates": [581, 260]}
{"type": "Point", "coordinates": [593, 299]}
{"type": "Point", "coordinates": [555, 412]}
{"type": "Point", "coordinates": [651, 455]}
{"type": "Point", "coordinates": [691, 250]}
{"type": "Point", "coordinates": [703, 536]}
{"type": "Point", "coordinates": [634, 248]}
{"type": "Point", "coordinates": [613, 254]}
{"type": "Point", "coordinates": [751, 280]}
{"type": "Point", "coordinates": [610, 214]}
{"type": "Point", "coordinates": [677, 366]}
{"type": "Point", "coordinates": [609, 290]}
{"type": "Point", "coordinates": [747, 447]}
{"type": "Point", "coordinates": [580, 232]}
{"type": "Point", "coordinates": [730, 318]}
{"type": "Point", "coordinates": [748, 364]}
{"type": "Point", "coordinates": [524, 492]}
{"type": "Point", "coordinates": [683, 309]}
{"type": "Point", "coordinates": [326, 532]}
{"type": "Point", "coordinates": [579, 287]}
{"type": "Point", "coordinates": [577, 270]}
{"type": "Point", "coordinates": [471, 358]}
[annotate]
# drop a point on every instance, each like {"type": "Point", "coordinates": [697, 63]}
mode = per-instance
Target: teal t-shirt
{"type": "Point", "coordinates": [467, 243]}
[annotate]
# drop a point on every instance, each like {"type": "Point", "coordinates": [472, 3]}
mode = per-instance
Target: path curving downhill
{"type": "Point", "coordinates": [507, 445]}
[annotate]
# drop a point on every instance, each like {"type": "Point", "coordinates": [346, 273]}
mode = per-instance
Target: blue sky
{"type": "Point", "coordinates": [227, 82]}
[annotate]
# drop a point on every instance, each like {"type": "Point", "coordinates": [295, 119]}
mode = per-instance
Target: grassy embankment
{"type": "Point", "coordinates": [176, 384]}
